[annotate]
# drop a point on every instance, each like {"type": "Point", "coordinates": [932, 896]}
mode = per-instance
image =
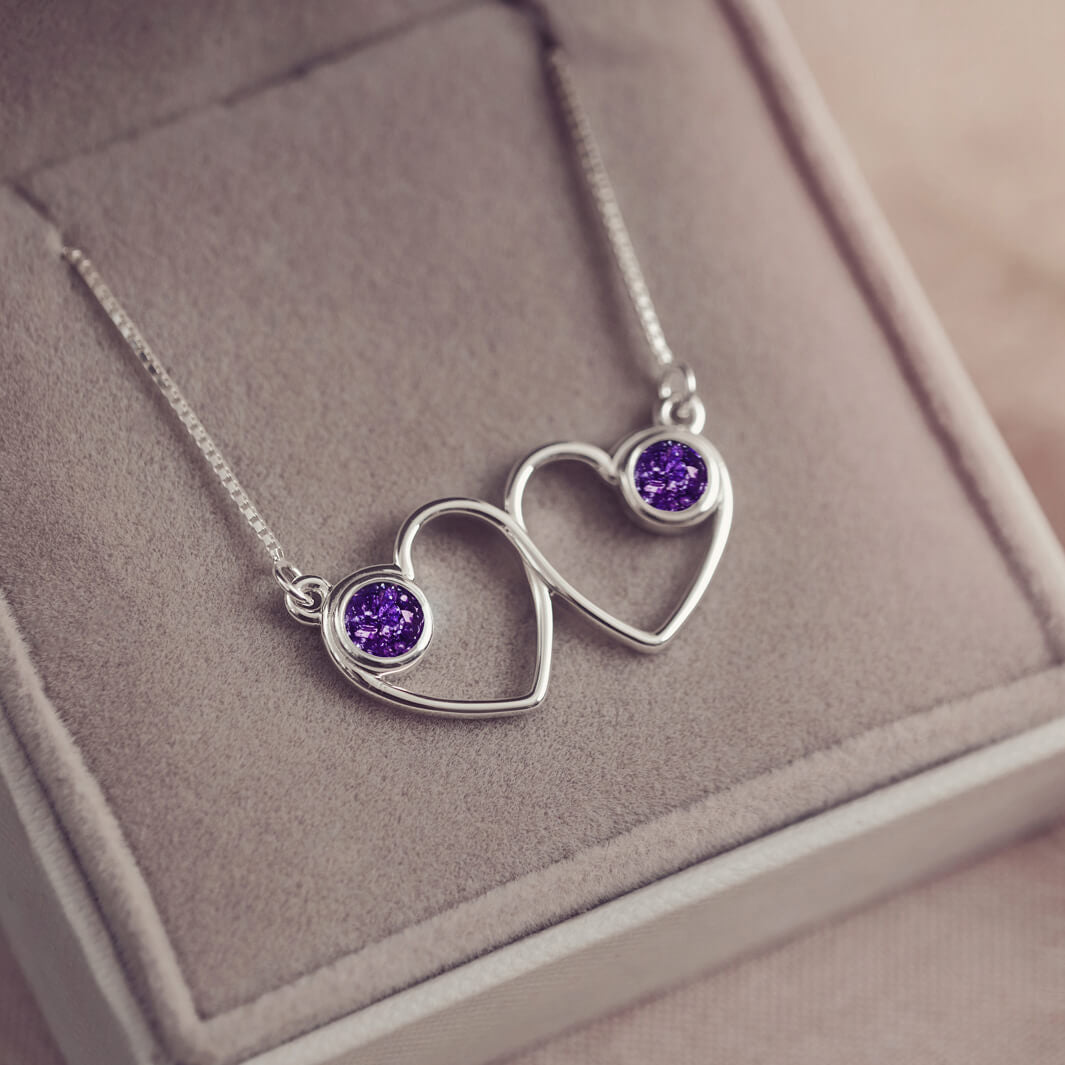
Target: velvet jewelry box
{"type": "Point", "coordinates": [360, 246]}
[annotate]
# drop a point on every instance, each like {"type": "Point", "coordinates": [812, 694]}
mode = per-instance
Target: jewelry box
{"type": "Point", "coordinates": [361, 240]}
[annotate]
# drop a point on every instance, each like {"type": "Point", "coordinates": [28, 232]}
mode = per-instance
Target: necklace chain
{"type": "Point", "coordinates": [176, 398]}
{"type": "Point", "coordinates": [675, 381]}
{"type": "Point", "coordinates": [597, 181]}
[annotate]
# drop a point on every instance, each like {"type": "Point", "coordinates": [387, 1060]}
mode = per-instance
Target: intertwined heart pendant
{"type": "Point", "coordinates": [377, 622]}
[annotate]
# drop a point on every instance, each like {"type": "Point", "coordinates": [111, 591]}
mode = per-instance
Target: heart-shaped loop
{"type": "Point", "coordinates": [377, 622]}
{"type": "Point", "coordinates": [635, 468]}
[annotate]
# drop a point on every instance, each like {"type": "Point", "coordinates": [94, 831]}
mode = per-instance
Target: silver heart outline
{"type": "Point", "coordinates": [374, 682]}
{"type": "Point", "coordinates": [608, 467]}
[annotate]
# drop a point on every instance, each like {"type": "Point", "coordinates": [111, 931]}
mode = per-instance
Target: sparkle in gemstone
{"type": "Point", "coordinates": [384, 619]}
{"type": "Point", "coordinates": [670, 475]}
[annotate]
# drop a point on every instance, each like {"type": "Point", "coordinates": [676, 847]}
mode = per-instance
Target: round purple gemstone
{"type": "Point", "coordinates": [670, 475]}
{"type": "Point", "coordinates": [384, 619]}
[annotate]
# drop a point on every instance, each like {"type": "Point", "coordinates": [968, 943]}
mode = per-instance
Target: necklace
{"type": "Point", "coordinates": [377, 622]}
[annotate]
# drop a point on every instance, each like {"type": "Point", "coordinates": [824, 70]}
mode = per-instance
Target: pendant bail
{"type": "Point", "coordinates": [678, 403]}
{"type": "Point", "coordinates": [677, 382]}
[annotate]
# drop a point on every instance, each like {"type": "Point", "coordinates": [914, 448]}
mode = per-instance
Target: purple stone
{"type": "Point", "coordinates": [384, 619]}
{"type": "Point", "coordinates": [670, 475]}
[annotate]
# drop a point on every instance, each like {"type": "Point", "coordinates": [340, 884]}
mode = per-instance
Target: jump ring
{"type": "Point", "coordinates": [287, 575]}
{"type": "Point", "coordinates": [687, 413]}
{"type": "Point", "coordinates": [677, 382]}
{"type": "Point", "coordinates": [304, 603]}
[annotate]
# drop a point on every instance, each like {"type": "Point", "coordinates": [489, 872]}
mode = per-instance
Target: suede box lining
{"type": "Point", "coordinates": [87, 74]}
{"type": "Point", "coordinates": [268, 850]}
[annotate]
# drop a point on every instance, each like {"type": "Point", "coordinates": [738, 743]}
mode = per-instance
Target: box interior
{"type": "Point", "coordinates": [378, 283]}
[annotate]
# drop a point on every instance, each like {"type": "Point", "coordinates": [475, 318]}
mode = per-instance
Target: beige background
{"type": "Point", "coordinates": [955, 112]}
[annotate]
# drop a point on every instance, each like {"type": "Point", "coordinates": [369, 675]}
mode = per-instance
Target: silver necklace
{"type": "Point", "coordinates": [377, 622]}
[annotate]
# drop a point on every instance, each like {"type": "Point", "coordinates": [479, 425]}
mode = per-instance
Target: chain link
{"type": "Point", "coordinates": [174, 396]}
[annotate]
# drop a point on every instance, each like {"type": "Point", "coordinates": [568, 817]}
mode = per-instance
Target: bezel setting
{"type": "Point", "coordinates": [628, 453]}
{"type": "Point", "coordinates": [334, 627]}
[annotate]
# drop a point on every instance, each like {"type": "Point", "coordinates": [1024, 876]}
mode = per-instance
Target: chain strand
{"type": "Point", "coordinates": [174, 396]}
{"type": "Point", "coordinates": [597, 181]}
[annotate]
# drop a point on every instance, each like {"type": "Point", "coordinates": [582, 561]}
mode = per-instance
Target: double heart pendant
{"type": "Point", "coordinates": [377, 622]}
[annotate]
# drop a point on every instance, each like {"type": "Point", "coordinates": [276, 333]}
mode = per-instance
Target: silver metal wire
{"type": "Point", "coordinates": [174, 396]}
{"type": "Point", "coordinates": [593, 170]}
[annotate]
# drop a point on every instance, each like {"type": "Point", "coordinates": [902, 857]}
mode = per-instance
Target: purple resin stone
{"type": "Point", "coordinates": [670, 475]}
{"type": "Point", "coordinates": [384, 619]}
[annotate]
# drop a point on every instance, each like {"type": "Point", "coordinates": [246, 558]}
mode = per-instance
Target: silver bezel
{"type": "Point", "coordinates": [626, 456]}
{"type": "Point", "coordinates": [335, 633]}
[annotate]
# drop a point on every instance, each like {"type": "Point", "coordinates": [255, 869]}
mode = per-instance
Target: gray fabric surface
{"type": "Point", "coordinates": [391, 249]}
{"type": "Point", "coordinates": [77, 75]}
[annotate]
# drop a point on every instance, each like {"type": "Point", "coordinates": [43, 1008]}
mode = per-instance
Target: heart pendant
{"type": "Point", "coordinates": [670, 479]}
{"type": "Point", "coordinates": [377, 622]}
